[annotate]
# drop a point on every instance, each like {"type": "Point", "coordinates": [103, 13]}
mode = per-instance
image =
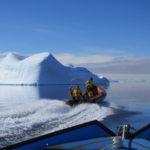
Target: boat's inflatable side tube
{"type": "Point", "coordinates": [101, 95]}
{"type": "Point", "coordinates": [142, 133]}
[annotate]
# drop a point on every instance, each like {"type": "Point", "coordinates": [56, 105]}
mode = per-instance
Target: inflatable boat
{"type": "Point", "coordinates": [99, 97]}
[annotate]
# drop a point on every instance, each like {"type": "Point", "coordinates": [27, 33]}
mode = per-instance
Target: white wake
{"type": "Point", "coordinates": [51, 114]}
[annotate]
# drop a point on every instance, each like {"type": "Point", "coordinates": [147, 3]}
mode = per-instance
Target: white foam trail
{"type": "Point", "coordinates": [49, 115]}
{"type": "Point", "coordinates": [25, 117]}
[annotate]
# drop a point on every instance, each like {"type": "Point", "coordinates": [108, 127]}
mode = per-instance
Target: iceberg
{"type": "Point", "coordinates": [42, 68]}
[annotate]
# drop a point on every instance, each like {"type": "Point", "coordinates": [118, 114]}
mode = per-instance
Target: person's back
{"type": "Point", "coordinates": [70, 93]}
{"type": "Point", "coordinates": [89, 83]}
{"type": "Point", "coordinates": [90, 86]}
{"type": "Point", "coordinates": [90, 94]}
{"type": "Point", "coordinates": [77, 93]}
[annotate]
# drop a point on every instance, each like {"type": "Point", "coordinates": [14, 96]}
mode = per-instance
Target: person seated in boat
{"type": "Point", "coordinates": [77, 94]}
{"type": "Point", "coordinates": [70, 93]}
{"type": "Point", "coordinates": [90, 94]}
{"type": "Point", "coordinates": [91, 86]}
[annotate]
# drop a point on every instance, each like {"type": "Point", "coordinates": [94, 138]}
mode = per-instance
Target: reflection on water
{"type": "Point", "coordinates": [13, 95]}
{"type": "Point", "coordinates": [53, 92]}
{"type": "Point", "coordinates": [21, 94]}
{"type": "Point", "coordinates": [133, 97]}
{"type": "Point", "coordinates": [31, 111]}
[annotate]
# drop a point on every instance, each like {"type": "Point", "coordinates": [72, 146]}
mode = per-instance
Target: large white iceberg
{"type": "Point", "coordinates": [42, 68]}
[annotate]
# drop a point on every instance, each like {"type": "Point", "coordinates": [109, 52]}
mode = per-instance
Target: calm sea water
{"type": "Point", "coordinates": [28, 111]}
{"type": "Point", "coordinates": [133, 99]}
{"type": "Point", "coordinates": [131, 93]}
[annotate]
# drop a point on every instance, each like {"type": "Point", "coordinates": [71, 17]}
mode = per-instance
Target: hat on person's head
{"type": "Point", "coordinates": [91, 78]}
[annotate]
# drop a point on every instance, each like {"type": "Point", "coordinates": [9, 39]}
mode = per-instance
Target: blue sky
{"type": "Point", "coordinates": [76, 27]}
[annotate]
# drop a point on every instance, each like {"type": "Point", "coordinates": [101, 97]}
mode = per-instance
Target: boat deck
{"type": "Point", "coordinates": [100, 144]}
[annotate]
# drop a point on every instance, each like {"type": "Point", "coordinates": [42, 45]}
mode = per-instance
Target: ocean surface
{"type": "Point", "coordinates": [30, 111]}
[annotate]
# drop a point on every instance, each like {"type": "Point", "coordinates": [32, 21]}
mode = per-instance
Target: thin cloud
{"type": "Point", "coordinates": [113, 51]}
{"type": "Point", "coordinates": [108, 64]}
{"type": "Point", "coordinates": [77, 60]}
{"type": "Point", "coordinates": [42, 30]}
{"type": "Point", "coordinates": [122, 66]}
{"type": "Point", "coordinates": [3, 54]}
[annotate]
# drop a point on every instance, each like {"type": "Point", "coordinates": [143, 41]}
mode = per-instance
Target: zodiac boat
{"type": "Point", "coordinates": [101, 94]}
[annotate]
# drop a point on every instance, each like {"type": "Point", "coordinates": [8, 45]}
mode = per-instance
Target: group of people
{"type": "Point", "coordinates": [77, 94]}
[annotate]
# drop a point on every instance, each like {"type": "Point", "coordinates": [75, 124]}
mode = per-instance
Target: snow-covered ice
{"type": "Point", "coordinates": [42, 68]}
